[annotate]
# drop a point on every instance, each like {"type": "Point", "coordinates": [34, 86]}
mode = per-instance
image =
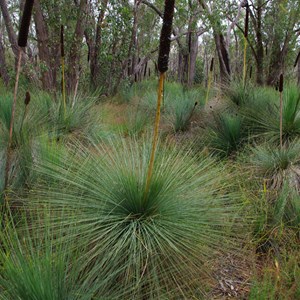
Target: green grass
{"type": "Point", "coordinates": [179, 105]}
{"type": "Point", "coordinates": [263, 116]}
{"type": "Point", "coordinates": [277, 165]}
{"type": "Point", "coordinates": [278, 282]}
{"type": "Point", "coordinates": [227, 134]}
{"type": "Point", "coordinates": [35, 264]}
{"type": "Point", "coordinates": [154, 247]}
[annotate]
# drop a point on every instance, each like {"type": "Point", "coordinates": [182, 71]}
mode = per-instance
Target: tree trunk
{"type": "Point", "coordinates": [222, 51]}
{"type": "Point", "coordinates": [43, 47]}
{"type": "Point", "coordinates": [192, 59]}
{"type": "Point", "coordinates": [133, 44]}
{"type": "Point", "coordinates": [74, 56]}
{"type": "Point", "coordinates": [259, 46]}
{"type": "Point", "coordinates": [180, 70]}
{"type": "Point", "coordinates": [278, 56]}
{"type": "Point", "coordinates": [223, 57]}
{"type": "Point", "coordinates": [9, 28]}
{"type": "Point", "coordinates": [94, 49]}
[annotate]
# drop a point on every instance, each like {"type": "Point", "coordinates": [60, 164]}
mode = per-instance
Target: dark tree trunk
{"type": "Point", "coordinates": [278, 56]}
{"type": "Point", "coordinates": [223, 57]}
{"type": "Point", "coordinates": [259, 46]}
{"type": "Point", "coordinates": [222, 51]}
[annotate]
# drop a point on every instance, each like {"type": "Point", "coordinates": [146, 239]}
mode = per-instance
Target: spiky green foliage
{"type": "Point", "coordinates": [179, 106]}
{"type": "Point", "coordinates": [80, 119]}
{"type": "Point", "coordinates": [263, 117]}
{"type": "Point", "coordinates": [26, 127]}
{"type": "Point", "coordinates": [278, 208]}
{"type": "Point", "coordinates": [136, 122]}
{"type": "Point", "coordinates": [146, 248]}
{"type": "Point", "coordinates": [287, 208]}
{"type": "Point", "coordinates": [237, 92]}
{"type": "Point", "coordinates": [131, 93]}
{"type": "Point", "coordinates": [227, 134]}
{"type": "Point", "coordinates": [35, 264]}
{"type": "Point", "coordinates": [263, 288]}
{"type": "Point", "coordinates": [277, 165]}
{"type": "Point", "coordinates": [184, 107]}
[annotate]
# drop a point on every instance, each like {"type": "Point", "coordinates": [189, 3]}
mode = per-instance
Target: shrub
{"type": "Point", "coordinates": [152, 247]}
{"type": "Point", "coordinates": [179, 106]}
{"type": "Point", "coordinates": [278, 207]}
{"type": "Point", "coordinates": [27, 127]}
{"type": "Point", "coordinates": [227, 134]}
{"type": "Point", "coordinates": [263, 117]}
{"type": "Point", "coordinates": [277, 165]}
{"type": "Point", "coordinates": [36, 264]}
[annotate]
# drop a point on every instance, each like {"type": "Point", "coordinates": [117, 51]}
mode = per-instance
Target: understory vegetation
{"type": "Point", "coordinates": [147, 152]}
{"type": "Point", "coordinates": [222, 189]}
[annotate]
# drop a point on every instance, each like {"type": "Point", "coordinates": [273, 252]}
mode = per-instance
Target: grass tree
{"type": "Point", "coordinates": [22, 43]}
{"type": "Point", "coordinates": [154, 247]}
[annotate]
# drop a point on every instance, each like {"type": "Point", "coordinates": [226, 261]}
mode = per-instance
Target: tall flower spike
{"type": "Point", "coordinates": [211, 65]}
{"type": "Point", "coordinates": [165, 36]}
{"type": "Point", "coordinates": [281, 83]}
{"type": "Point", "coordinates": [62, 47]}
{"type": "Point", "coordinates": [27, 98]}
{"type": "Point", "coordinates": [25, 23]}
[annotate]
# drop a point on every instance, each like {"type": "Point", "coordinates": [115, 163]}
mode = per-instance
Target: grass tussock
{"type": "Point", "coordinates": [154, 247]}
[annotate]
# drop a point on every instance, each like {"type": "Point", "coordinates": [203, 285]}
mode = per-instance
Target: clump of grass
{"type": "Point", "coordinates": [27, 126]}
{"type": "Point", "coordinates": [183, 114]}
{"type": "Point", "coordinates": [277, 171]}
{"type": "Point", "coordinates": [265, 122]}
{"type": "Point", "coordinates": [179, 106]}
{"type": "Point", "coordinates": [154, 247]}
{"type": "Point", "coordinates": [22, 42]}
{"type": "Point", "coordinates": [36, 264]}
{"type": "Point", "coordinates": [237, 92]}
{"type": "Point", "coordinates": [77, 119]}
{"type": "Point", "coordinates": [279, 279]}
{"type": "Point", "coordinates": [136, 122]}
{"type": "Point", "coordinates": [227, 134]}
{"type": "Point", "coordinates": [277, 165]}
